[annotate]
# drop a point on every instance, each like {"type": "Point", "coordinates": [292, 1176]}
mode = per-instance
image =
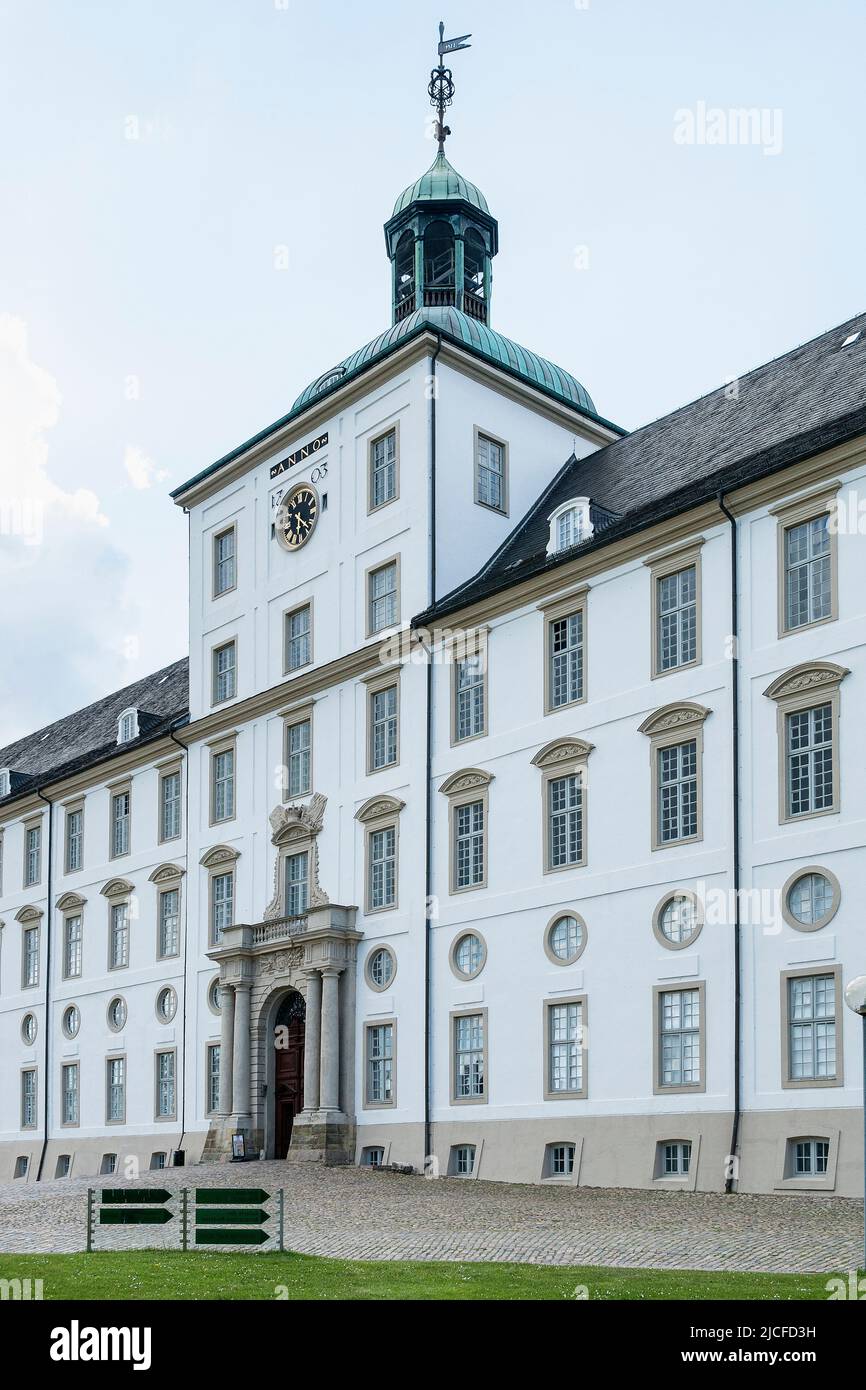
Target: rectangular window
{"type": "Point", "coordinates": [222, 895]}
{"type": "Point", "coordinates": [469, 697]}
{"type": "Point", "coordinates": [223, 562]}
{"type": "Point", "coordinates": [213, 1078]}
{"type": "Point", "coordinates": [383, 470]}
{"type": "Point", "coordinates": [69, 1087]}
{"type": "Point", "coordinates": [383, 605]}
{"type": "Point", "coordinates": [165, 1086]}
{"type": "Point", "coordinates": [469, 845]}
{"type": "Point", "coordinates": [809, 778]}
{"type": "Point", "coordinates": [297, 883]}
{"type": "Point", "coordinates": [808, 572]}
{"type": "Point", "coordinates": [812, 1028]}
{"type": "Point", "coordinates": [679, 1037]}
{"type": "Point", "coordinates": [382, 868]}
{"type": "Point", "coordinates": [28, 1098]}
{"type": "Point", "coordinates": [32, 855]}
{"type": "Point", "coordinates": [120, 811]}
{"type": "Point", "coordinates": [74, 840]}
{"type": "Point", "coordinates": [299, 645]}
{"type": "Point", "coordinates": [677, 792]}
{"type": "Point", "coordinates": [811, 1157]}
{"type": "Point", "coordinates": [565, 1048]}
{"type": "Point", "coordinates": [490, 472]}
{"type": "Point", "coordinates": [677, 619]}
{"type": "Point", "coordinates": [565, 674]}
{"type": "Point", "coordinates": [72, 947]}
{"type": "Point", "coordinates": [561, 1160]}
{"type": "Point", "coordinates": [383, 728]}
{"type": "Point", "coordinates": [463, 1160]}
{"type": "Point", "coordinates": [380, 1064]}
{"type": "Point", "coordinates": [30, 958]}
{"type": "Point", "coordinates": [115, 1100]}
{"type": "Point", "coordinates": [118, 956]}
{"type": "Point", "coordinates": [469, 1061]}
{"type": "Point", "coordinates": [169, 923]}
{"type": "Point", "coordinates": [223, 777]}
{"type": "Point", "coordinates": [224, 673]}
{"type": "Point", "coordinates": [298, 748]}
{"type": "Point", "coordinates": [565, 820]}
{"type": "Point", "coordinates": [169, 806]}
{"type": "Point", "coordinates": [676, 1159]}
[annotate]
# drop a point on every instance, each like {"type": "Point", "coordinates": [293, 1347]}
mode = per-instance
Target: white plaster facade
{"type": "Point", "coordinates": [437, 397]}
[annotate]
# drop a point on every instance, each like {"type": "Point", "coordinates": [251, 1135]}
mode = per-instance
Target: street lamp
{"type": "Point", "coordinates": [855, 998]}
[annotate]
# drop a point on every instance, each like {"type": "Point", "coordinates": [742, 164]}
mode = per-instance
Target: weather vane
{"type": "Point", "coordinates": [441, 86]}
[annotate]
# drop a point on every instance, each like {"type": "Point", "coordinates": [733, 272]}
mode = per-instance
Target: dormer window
{"type": "Point", "coordinates": [127, 726]}
{"type": "Point", "coordinates": [5, 781]}
{"type": "Point", "coordinates": [570, 524]}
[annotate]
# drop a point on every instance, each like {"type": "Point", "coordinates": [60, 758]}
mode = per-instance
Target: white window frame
{"type": "Point", "coordinates": [373, 626]}
{"type": "Point", "coordinates": [472, 1052]}
{"type": "Point", "coordinates": [224, 677]}
{"type": "Point", "coordinates": [120, 821]}
{"type": "Point", "coordinates": [73, 840]}
{"type": "Point", "coordinates": [223, 564]}
{"type": "Point", "coordinates": [803, 511]}
{"type": "Point", "coordinates": [166, 831]}
{"type": "Point", "coordinates": [576, 1045]}
{"type": "Point", "coordinates": [663, 567]}
{"type": "Point", "coordinates": [482, 469]}
{"type": "Point", "coordinates": [290, 667]}
{"type": "Point", "coordinates": [660, 1032]}
{"type": "Point", "coordinates": [390, 468]}
{"type": "Point", "coordinates": [382, 1065]}
{"type": "Point", "coordinates": [807, 687]}
{"type": "Point", "coordinates": [816, 970]}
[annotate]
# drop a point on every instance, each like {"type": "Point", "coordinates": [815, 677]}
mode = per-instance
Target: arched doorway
{"type": "Point", "coordinates": [288, 1044]}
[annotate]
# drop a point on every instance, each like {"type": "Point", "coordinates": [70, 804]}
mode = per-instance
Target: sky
{"type": "Point", "coordinates": [191, 205]}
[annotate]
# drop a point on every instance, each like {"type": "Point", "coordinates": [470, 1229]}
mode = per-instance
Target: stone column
{"type": "Point", "coordinates": [227, 1043]}
{"type": "Point", "coordinates": [312, 1046]}
{"type": "Point", "coordinates": [241, 1051]}
{"type": "Point", "coordinates": [330, 1097]}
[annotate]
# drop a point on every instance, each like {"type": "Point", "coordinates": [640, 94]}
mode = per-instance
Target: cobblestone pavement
{"type": "Point", "coordinates": [360, 1213]}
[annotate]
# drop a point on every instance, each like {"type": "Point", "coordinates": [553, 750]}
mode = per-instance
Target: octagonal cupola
{"type": "Point", "coordinates": [441, 239]}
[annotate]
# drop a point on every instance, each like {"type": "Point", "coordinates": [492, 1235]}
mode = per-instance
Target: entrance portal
{"type": "Point", "coordinates": [288, 1045]}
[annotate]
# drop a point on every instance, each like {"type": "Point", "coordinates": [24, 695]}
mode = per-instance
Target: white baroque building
{"type": "Point", "coordinates": [508, 814]}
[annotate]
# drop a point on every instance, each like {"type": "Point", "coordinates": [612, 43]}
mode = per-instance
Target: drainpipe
{"type": "Point", "coordinates": [735, 755]}
{"type": "Point", "coordinates": [185, 774]}
{"type": "Point", "coordinates": [428, 852]}
{"type": "Point", "coordinates": [49, 932]}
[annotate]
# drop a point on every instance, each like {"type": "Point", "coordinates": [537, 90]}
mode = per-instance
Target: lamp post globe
{"type": "Point", "coordinates": [855, 994]}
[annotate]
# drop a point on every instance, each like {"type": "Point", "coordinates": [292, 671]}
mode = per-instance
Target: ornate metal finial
{"type": "Point", "coordinates": [441, 87]}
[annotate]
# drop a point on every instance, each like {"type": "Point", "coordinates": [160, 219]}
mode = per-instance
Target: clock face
{"type": "Point", "coordinates": [297, 516]}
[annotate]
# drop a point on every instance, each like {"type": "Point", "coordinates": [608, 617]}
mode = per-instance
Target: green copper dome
{"type": "Point", "coordinates": [440, 183]}
{"type": "Point", "coordinates": [468, 333]}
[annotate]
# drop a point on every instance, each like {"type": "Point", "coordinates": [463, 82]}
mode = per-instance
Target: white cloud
{"type": "Point", "coordinates": [142, 471]}
{"type": "Point", "coordinates": [64, 583]}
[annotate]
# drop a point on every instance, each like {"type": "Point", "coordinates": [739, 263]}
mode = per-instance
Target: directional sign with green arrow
{"type": "Point", "coordinates": [229, 1209]}
{"type": "Point", "coordinates": [134, 1206]}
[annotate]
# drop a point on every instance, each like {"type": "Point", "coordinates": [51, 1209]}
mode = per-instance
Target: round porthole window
{"type": "Point", "coordinates": [213, 996]}
{"type": "Point", "coordinates": [677, 920]}
{"type": "Point", "coordinates": [71, 1021]}
{"type": "Point", "coordinates": [29, 1028]}
{"type": "Point", "coordinates": [468, 955]}
{"type": "Point", "coordinates": [565, 938]}
{"type": "Point", "coordinates": [117, 1014]}
{"type": "Point", "coordinates": [381, 968]}
{"type": "Point", "coordinates": [810, 898]}
{"type": "Point", "coordinates": [166, 1004]}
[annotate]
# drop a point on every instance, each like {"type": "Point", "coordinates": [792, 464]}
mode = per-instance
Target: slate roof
{"type": "Point", "coordinates": [89, 736]}
{"type": "Point", "coordinates": [791, 408]}
{"type": "Point", "coordinates": [459, 328]}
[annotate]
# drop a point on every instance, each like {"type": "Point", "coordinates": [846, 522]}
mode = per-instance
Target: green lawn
{"type": "Point", "coordinates": [143, 1274]}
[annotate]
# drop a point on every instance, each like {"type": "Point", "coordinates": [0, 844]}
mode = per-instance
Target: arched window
{"type": "Point", "coordinates": [404, 275]}
{"type": "Point", "coordinates": [439, 264]}
{"type": "Point", "coordinates": [473, 276]}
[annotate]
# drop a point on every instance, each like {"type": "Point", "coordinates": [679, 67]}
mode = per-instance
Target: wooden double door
{"type": "Point", "coordinates": [288, 1072]}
